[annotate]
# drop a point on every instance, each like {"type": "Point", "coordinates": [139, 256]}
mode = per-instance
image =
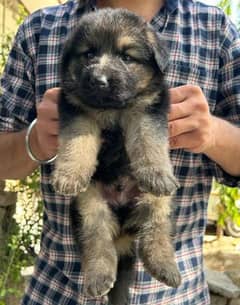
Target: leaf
{"type": "Point", "coordinates": [3, 293]}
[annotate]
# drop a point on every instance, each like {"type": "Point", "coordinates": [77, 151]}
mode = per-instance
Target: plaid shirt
{"type": "Point", "coordinates": [204, 50]}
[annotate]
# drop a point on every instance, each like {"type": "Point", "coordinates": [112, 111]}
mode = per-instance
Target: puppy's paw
{"type": "Point", "coordinates": [156, 182]}
{"type": "Point", "coordinates": [164, 271]}
{"type": "Point", "coordinates": [168, 274]}
{"type": "Point", "coordinates": [98, 284]}
{"type": "Point", "coordinates": [69, 185]}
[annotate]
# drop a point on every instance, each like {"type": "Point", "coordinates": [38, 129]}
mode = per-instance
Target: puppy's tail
{"type": "Point", "coordinates": [119, 294]}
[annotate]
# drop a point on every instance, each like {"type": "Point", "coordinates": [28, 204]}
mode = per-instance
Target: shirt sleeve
{"type": "Point", "coordinates": [228, 99]}
{"type": "Point", "coordinates": [17, 96]}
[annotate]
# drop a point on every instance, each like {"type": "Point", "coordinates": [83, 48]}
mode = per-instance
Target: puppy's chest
{"type": "Point", "coordinates": [108, 120]}
{"type": "Point", "coordinates": [113, 161]}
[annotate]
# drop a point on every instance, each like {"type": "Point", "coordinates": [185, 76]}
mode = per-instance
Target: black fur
{"type": "Point", "coordinates": [134, 73]}
{"type": "Point", "coordinates": [112, 160]}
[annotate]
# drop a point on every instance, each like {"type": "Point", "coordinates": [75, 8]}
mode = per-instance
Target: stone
{"type": "Point", "coordinates": [235, 302]}
{"type": "Point", "coordinates": [234, 276]}
{"type": "Point", "coordinates": [221, 284]}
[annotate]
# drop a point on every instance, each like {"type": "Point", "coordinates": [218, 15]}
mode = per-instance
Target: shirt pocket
{"type": "Point", "coordinates": [180, 73]}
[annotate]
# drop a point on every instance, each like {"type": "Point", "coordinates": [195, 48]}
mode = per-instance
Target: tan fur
{"type": "Point", "coordinates": [99, 244]}
{"type": "Point", "coordinates": [161, 204]}
{"type": "Point", "coordinates": [154, 239]}
{"type": "Point", "coordinates": [77, 157]}
{"type": "Point", "coordinates": [145, 80]}
{"type": "Point", "coordinates": [146, 144]}
{"type": "Point", "coordinates": [104, 61]}
{"type": "Point", "coordinates": [147, 147]}
{"type": "Point", "coordinates": [124, 41]}
{"type": "Point", "coordinates": [124, 244]}
{"type": "Point", "coordinates": [151, 37]}
{"type": "Point", "coordinates": [92, 204]}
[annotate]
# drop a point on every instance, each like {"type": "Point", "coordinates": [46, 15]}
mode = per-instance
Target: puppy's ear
{"type": "Point", "coordinates": [67, 51]}
{"type": "Point", "coordinates": [159, 48]}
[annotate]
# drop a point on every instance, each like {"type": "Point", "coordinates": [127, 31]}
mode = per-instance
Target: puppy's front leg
{"type": "Point", "coordinates": [79, 144]}
{"type": "Point", "coordinates": [146, 143]}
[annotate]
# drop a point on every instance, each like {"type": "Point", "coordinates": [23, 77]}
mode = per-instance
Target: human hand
{"type": "Point", "coordinates": [44, 136]}
{"type": "Point", "coordinates": [191, 126]}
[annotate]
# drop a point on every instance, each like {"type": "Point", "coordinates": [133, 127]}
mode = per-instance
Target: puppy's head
{"type": "Point", "coordinates": [112, 57]}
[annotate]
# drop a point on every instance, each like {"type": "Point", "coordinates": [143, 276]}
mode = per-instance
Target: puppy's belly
{"type": "Point", "coordinates": [121, 192]}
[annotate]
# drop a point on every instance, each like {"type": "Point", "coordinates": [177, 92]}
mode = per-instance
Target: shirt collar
{"type": "Point", "coordinates": [170, 5]}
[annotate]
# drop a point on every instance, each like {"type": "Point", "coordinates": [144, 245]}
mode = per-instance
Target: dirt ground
{"type": "Point", "coordinates": [222, 254]}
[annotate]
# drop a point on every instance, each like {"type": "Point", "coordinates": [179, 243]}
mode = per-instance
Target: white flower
{"type": "Point", "coordinates": [237, 203]}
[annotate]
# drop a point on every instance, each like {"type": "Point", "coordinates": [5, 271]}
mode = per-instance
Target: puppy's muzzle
{"type": "Point", "coordinates": [98, 81]}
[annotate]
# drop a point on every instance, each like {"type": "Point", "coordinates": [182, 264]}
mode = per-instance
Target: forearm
{"type": "Point", "coordinates": [226, 149]}
{"type": "Point", "coordinates": [14, 160]}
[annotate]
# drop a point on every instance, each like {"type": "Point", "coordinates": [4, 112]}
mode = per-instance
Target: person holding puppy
{"type": "Point", "coordinates": [203, 76]}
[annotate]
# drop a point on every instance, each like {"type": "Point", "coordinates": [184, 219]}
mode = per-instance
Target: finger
{"type": "Point", "coordinates": [182, 93]}
{"type": "Point", "coordinates": [53, 140]}
{"type": "Point", "coordinates": [49, 103]}
{"type": "Point", "coordinates": [181, 126]}
{"type": "Point", "coordinates": [54, 128]}
{"type": "Point", "coordinates": [48, 127]}
{"type": "Point", "coordinates": [186, 141]}
{"type": "Point", "coordinates": [177, 94]}
{"type": "Point", "coordinates": [49, 145]}
{"type": "Point", "coordinates": [53, 94]}
{"type": "Point", "coordinates": [180, 110]}
{"type": "Point", "coordinates": [48, 110]}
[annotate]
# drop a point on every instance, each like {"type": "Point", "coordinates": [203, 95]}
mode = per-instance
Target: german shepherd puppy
{"type": "Point", "coordinates": [113, 152]}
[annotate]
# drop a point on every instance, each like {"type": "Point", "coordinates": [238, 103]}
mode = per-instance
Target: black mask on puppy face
{"type": "Point", "coordinates": [111, 58]}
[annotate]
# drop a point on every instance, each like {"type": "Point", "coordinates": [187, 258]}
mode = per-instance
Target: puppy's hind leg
{"type": "Point", "coordinates": [155, 245]}
{"type": "Point", "coordinates": [97, 230]}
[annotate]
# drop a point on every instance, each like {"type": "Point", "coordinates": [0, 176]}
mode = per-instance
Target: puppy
{"type": "Point", "coordinates": [113, 153]}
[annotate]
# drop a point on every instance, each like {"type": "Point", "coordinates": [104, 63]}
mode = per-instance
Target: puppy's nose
{"type": "Point", "coordinates": [100, 81]}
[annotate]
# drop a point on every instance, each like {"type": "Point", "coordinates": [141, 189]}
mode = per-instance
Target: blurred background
{"type": "Point", "coordinates": [21, 206]}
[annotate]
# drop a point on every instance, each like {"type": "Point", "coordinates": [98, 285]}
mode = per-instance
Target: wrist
{"type": "Point", "coordinates": [33, 146]}
{"type": "Point", "coordinates": [213, 143]}
{"type": "Point", "coordinates": [216, 143]}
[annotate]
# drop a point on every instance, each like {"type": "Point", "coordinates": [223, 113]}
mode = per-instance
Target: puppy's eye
{"type": "Point", "coordinates": [89, 54]}
{"type": "Point", "coordinates": [127, 58]}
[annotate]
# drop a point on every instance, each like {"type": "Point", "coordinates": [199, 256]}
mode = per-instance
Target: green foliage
{"type": "Point", "coordinates": [21, 247]}
{"type": "Point", "coordinates": [226, 6]}
{"type": "Point", "coordinates": [229, 199]}
{"type": "Point", "coordinates": [30, 218]}
{"type": "Point", "coordinates": [6, 38]}
{"type": "Point", "coordinates": [6, 41]}
{"type": "Point", "coordinates": [22, 14]}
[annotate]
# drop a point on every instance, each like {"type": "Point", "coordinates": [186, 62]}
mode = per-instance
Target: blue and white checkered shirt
{"type": "Point", "coordinates": [204, 50]}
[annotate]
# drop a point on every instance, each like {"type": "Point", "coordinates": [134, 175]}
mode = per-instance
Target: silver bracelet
{"type": "Point", "coordinates": [28, 147]}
